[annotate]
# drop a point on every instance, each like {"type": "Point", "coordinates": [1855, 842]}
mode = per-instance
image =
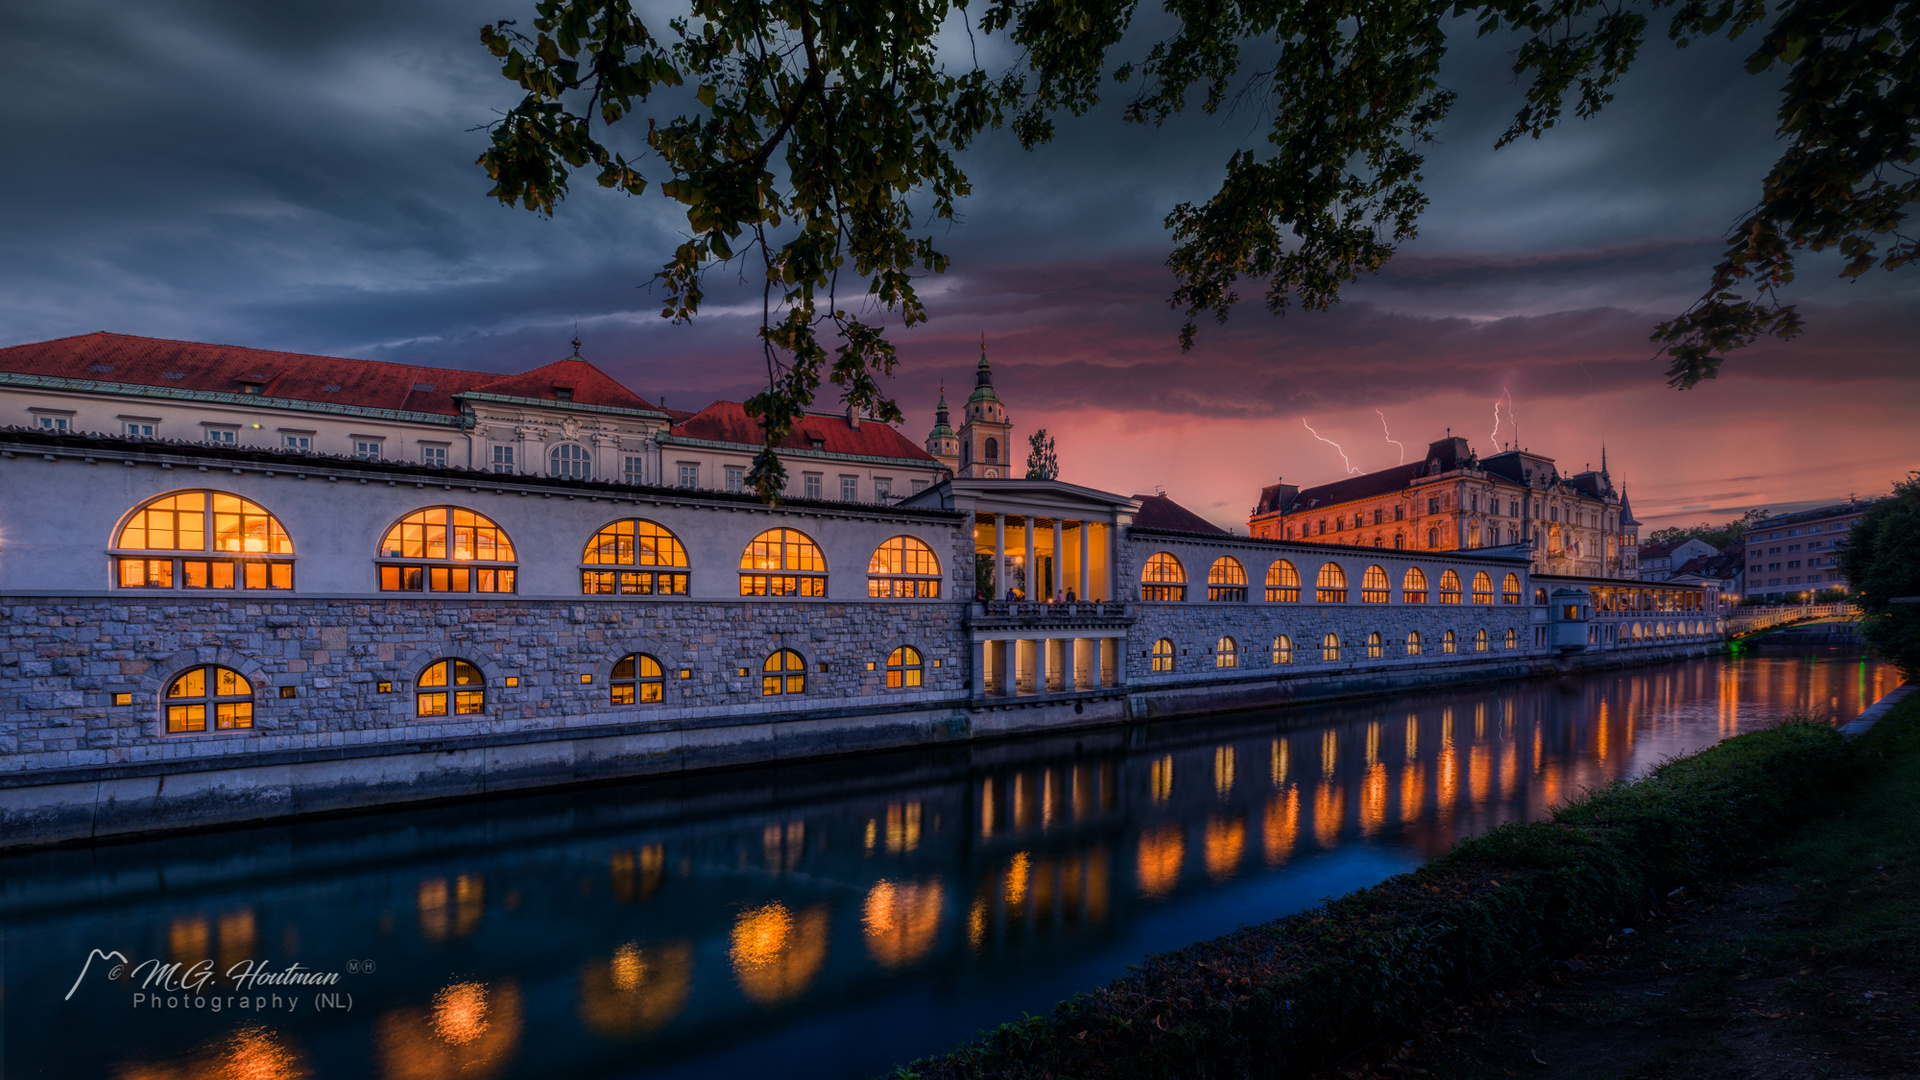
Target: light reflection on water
{"type": "Point", "coordinates": [822, 920]}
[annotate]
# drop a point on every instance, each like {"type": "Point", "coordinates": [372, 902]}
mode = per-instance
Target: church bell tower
{"type": "Point", "coordinates": [986, 435]}
{"type": "Point", "coordinates": [942, 443]}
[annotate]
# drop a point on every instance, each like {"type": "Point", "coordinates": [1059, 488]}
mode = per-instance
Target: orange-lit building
{"type": "Point", "coordinates": [1453, 499]}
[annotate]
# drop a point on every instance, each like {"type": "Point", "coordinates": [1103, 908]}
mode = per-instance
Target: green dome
{"type": "Point", "coordinates": [983, 382]}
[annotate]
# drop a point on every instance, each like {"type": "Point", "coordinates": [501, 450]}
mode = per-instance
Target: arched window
{"type": "Point", "coordinates": [783, 562]}
{"type": "Point", "coordinates": [450, 682]}
{"type": "Point", "coordinates": [1480, 640]}
{"type": "Point", "coordinates": [1163, 655]}
{"type": "Point", "coordinates": [210, 691]}
{"type": "Point", "coordinates": [570, 461]}
{"type": "Point", "coordinates": [1374, 586]}
{"type": "Point", "coordinates": [1510, 589]}
{"type": "Point", "coordinates": [783, 673]}
{"type": "Point", "coordinates": [1449, 643]}
{"type": "Point", "coordinates": [458, 551]}
{"type": "Point", "coordinates": [1449, 587]}
{"type": "Point", "coordinates": [1227, 580]}
{"type": "Point", "coordinates": [1226, 653]}
{"type": "Point", "coordinates": [1283, 650]}
{"type": "Point", "coordinates": [1163, 578]}
{"type": "Point", "coordinates": [903, 567]}
{"type": "Point", "coordinates": [1331, 586]}
{"type": "Point", "coordinates": [1376, 646]}
{"type": "Point", "coordinates": [1283, 583]}
{"type": "Point", "coordinates": [637, 678]}
{"type": "Point", "coordinates": [1413, 643]}
{"type": "Point", "coordinates": [1482, 588]}
{"type": "Point", "coordinates": [1330, 648]}
{"type": "Point", "coordinates": [904, 668]}
{"type": "Point", "coordinates": [1540, 597]}
{"type": "Point", "coordinates": [202, 540]}
{"type": "Point", "coordinates": [1413, 586]}
{"type": "Point", "coordinates": [657, 558]}
{"type": "Point", "coordinates": [1513, 638]}
{"type": "Point", "coordinates": [991, 450]}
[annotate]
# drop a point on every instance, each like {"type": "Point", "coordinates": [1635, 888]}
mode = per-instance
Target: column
{"type": "Point", "coordinates": [1057, 582]}
{"type": "Point", "coordinates": [979, 674]}
{"type": "Point", "coordinates": [1113, 559]}
{"type": "Point", "coordinates": [1085, 573]}
{"type": "Point", "coordinates": [998, 590]}
{"type": "Point", "coordinates": [1041, 665]}
{"type": "Point", "coordinates": [1028, 531]}
{"type": "Point", "coordinates": [1086, 663]}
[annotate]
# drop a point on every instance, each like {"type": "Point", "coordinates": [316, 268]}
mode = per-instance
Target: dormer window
{"type": "Point", "coordinates": [250, 387]}
{"type": "Point", "coordinates": [563, 393]}
{"type": "Point", "coordinates": [817, 444]}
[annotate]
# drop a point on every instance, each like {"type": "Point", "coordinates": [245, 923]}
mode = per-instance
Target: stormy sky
{"type": "Point", "coordinates": [300, 176]}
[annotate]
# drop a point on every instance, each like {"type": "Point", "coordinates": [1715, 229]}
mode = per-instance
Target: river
{"type": "Point", "coordinates": [823, 920]}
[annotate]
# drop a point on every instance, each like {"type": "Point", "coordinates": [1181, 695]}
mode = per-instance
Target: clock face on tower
{"type": "Point", "coordinates": [992, 473]}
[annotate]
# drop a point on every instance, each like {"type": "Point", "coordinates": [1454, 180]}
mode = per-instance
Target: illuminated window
{"type": "Point", "coordinates": [238, 545]}
{"type": "Point", "coordinates": [637, 678]}
{"type": "Point", "coordinates": [198, 693]}
{"type": "Point", "coordinates": [1330, 648]}
{"type": "Point", "coordinates": [1331, 587]}
{"type": "Point", "coordinates": [1513, 638]}
{"type": "Point", "coordinates": [783, 673]}
{"type": "Point", "coordinates": [1163, 655]}
{"type": "Point", "coordinates": [903, 567]}
{"type": "Point", "coordinates": [1480, 640]}
{"type": "Point", "coordinates": [1449, 587]}
{"type": "Point", "coordinates": [1413, 643]}
{"type": "Point", "coordinates": [903, 668]}
{"type": "Point", "coordinates": [1374, 587]}
{"type": "Point", "coordinates": [1226, 653]}
{"type": "Point", "coordinates": [1482, 588]}
{"type": "Point", "coordinates": [450, 683]}
{"type": "Point", "coordinates": [634, 558]}
{"type": "Point", "coordinates": [1227, 580]}
{"type": "Point", "coordinates": [1283, 583]}
{"type": "Point", "coordinates": [783, 562]}
{"type": "Point", "coordinates": [1413, 586]}
{"type": "Point", "coordinates": [457, 551]}
{"type": "Point", "coordinates": [1283, 650]}
{"type": "Point", "coordinates": [1376, 646]}
{"type": "Point", "coordinates": [1510, 589]}
{"type": "Point", "coordinates": [1163, 579]}
{"type": "Point", "coordinates": [1449, 644]}
{"type": "Point", "coordinates": [569, 461]}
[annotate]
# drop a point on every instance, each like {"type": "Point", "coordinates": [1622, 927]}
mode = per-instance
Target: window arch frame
{"type": "Point", "coordinates": [1375, 586]}
{"type": "Point", "coordinates": [1286, 589]}
{"type": "Point", "coordinates": [1480, 595]}
{"type": "Point", "coordinates": [1330, 648]}
{"type": "Point", "coordinates": [637, 680]}
{"type": "Point", "coordinates": [579, 461]}
{"type": "Point", "coordinates": [1480, 640]}
{"type": "Point", "coordinates": [1512, 638]}
{"type": "Point", "coordinates": [1414, 643]}
{"type": "Point", "coordinates": [906, 668]}
{"type": "Point", "coordinates": [217, 711]}
{"type": "Point", "coordinates": [452, 701]}
{"type": "Point", "coordinates": [1330, 588]}
{"type": "Point", "coordinates": [783, 581]}
{"type": "Point", "coordinates": [1162, 656]}
{"type": "Point", "coordinates": [790, 666]}
{"type": "Point", "coordinates": [1413, 586]}
{"type": "Point", "coordinates": [1510, 589]}
{"type": "Point", "coordinates": [480, 575]}
{"type": "Point", "coordinates": [1283, 649]}
{"type": "Point", "coordinates": [601, 575]}
{"type": "Point", "coordinates": [904, 584]}
{"type": "Point", "coordinates": [221, 563]}
{"type": "Point", "coordinates": [990, 451]}
{"type": "Point", "coordinates": [1450, 586]}
{"type": "Point", "coordinates": [1449, 643]}
{"type": "Point", "coordinates": [1376, 645]}
{"type": "Point", "coordinates": [1156, 587]}
{"type": "Point", "coordinates": [1226, 653]}
{"type": "Point", "coordinates": [1227, 581]}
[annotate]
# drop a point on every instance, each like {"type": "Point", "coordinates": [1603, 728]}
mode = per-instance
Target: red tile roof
{"type": "Point", "coordinates": [1160, 512]}
{"type": "Point", "coordinates": [728, 422]}
{"type": "Point", "coordinates": [370, 384]}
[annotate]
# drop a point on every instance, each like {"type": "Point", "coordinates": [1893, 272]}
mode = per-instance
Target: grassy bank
{"type": "Point", "coordinates": [1297, 994]}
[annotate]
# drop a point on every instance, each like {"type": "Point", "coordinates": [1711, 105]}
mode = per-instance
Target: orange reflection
{"type": "Point", "coordinates": [781, 846]}
{"type": "Point", "coordinates": [977, 924]}
{"type": "Point", "coordinates": [1279, 763]}
{"type": "Point", "coordinates": [189, 940]}
{"type": "Point", "coordinates": [903, 827]}
{"type": "Point", "coordinates": [986, 809]}
{"type": "Point", "coordinates": [1162, 850]}
{"type": "Point", "coordinates": [1280, 828]}
{"type": "Point", "coordinates": [1329, 752]}
{"type": "Point", "coordinates": [775, 955]}
{"type": "Point", "coordinates": [236, 939]}
{"type": "Point", "coordinates": [1600, 736]}
{"type": "Point", "coordinates": [1160, 778]}
{"type": "Point", "coordinates": [471, 1030]}
{"type": "Point", "coordinates": [1046, 798]}
{"type": "Point", "coordinates": [1226, 843]}
{"type": "Point", "coordinates": [1329, 806]}
{"type": "Point", "coordinates": [1373, 799]}
{"type": "Point", "coordinates": [1413, 737]}
{"type": "Point", "coordinates": [1082, 794]}
{"type": "Point", "coordinates": [1413, 781]}
{"type": "Point", "coordinates": [1098, 880]}
{"type": "Point", "coordinates": [1479, 772]}
{"type": "Point", "coordinates": [637, 877]}
{"type": "Point", "coordinates": [1373, 742]}
{"type": "Point", "coordinates": [1019, 872]}
{"type": "Point", "coordinates": [902, 921]}
{"type": "Point", "coordinates": [1223, 770]}
{"type": "Point", "coordinates": [636, 990]}
{"type": "Point", "coordinates": [251, 1053]}
{"type": "Point", "coordinates": [453, 911]}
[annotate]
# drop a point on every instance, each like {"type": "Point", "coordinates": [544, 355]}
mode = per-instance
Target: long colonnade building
{"type": "Point", "coordinates": [234, 625]}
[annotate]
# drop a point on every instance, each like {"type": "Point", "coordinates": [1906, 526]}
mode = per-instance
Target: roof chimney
{"type": "Point", "coordinates": [853, 417]}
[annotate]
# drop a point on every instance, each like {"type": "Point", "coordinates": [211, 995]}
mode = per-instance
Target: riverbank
{"type": "Point", "coordinates": [1324, 987]}
{"type": "Point", "coordinates": [1807, 967]}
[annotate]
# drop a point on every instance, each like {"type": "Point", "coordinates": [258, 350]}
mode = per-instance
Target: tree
{"type": "Point", "coordinates": [1881, 560]}
{"type": "Point", "coordinates": [1720, 536]}
{"type": "Point", "coordinates": [799, 133]}
{"type": "Point", "coordinates": [1041, 462]}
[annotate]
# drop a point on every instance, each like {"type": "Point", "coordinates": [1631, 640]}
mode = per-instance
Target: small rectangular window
{"type": "Point", "coordinates": [435, 456]}
{"type": "Point", "coordinates": [689, 475]}
{"type": "Point", "coordinates": [503, 459]}
{"type": "Point", "coordinates": [123, 699]}
{"type": "Point", "coordinates": [288, 691]}
{"type": "Point", "coordinates": [919, 486]}
{"type": "Point", "coordinates": [882, 489]}
{"type": "Point", "coordinates": [141, 429]}
{"type": "Point", "coordinates": [56, 423]}
{"type": "Point", "coordinates": [736, 478]}
{"type": "Point", "coordinates": [633, 469]}
{"type": "Point", "coordinates": [367, 449]}
{"type": "Point", "coordinates": [810, 485]}
{"type": "Point", "coordinates": [296, 441]}
{"type": "Point", "coordinates": [222, 436]}
{"type": "Point", "coordinates": [849, 489]}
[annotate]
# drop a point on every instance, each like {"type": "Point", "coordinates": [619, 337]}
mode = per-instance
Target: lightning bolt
{"type": "Point", "coordinates": [1495, 437]}
{"type": "Point", "coordinates": [1389, 434]}
{"type": "Point", "coordinates": [1511, 421]}
{"type": "Point", "coordinates": [1336, 446]}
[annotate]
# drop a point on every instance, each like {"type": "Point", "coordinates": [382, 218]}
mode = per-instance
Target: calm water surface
{"type": "Point", "coordinates": [827, 920]}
